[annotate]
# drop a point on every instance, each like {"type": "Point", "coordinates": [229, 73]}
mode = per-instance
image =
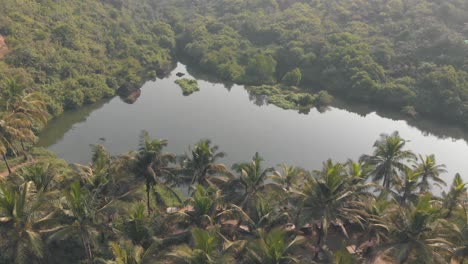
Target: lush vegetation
{"type": "Point", "coordinates": [288, 97]}
{"type": "Point", "coordinates": [151, 206]}
{"type": "Point", "coordinates": [410, 55]}
{"type": "Point", "coordinates": [188, 86]}
{"type": "Point", "coordinates": [78, 52]}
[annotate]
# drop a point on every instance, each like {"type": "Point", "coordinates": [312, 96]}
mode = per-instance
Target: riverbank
{"type": "Point", "coordinates": [241, 125]}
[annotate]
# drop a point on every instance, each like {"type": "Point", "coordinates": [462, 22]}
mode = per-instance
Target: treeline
{"type": "Point", "coordinates": [410, 55]}
{"type": "Point", "coordinates": [77, 52]}
{"type": "Point", "coordinates": [151, 206]}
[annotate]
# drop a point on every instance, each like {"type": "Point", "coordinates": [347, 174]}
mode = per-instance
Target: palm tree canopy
{"type": "Point", "coordinates": [429, 170]}
{"type": "Point", "coordinates": [389, 158]}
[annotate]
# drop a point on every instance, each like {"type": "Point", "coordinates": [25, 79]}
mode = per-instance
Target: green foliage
{"type": "Point", "coordinates": [289, 98]}
{"type": "Point", "coordinates": [292, 78]}
{"type": "Point", "coordinates": [389, 52]}
{"type": "Point", "coordinates": [260, 70]}
{"type": "Point", "coordinates": [70, 50]}
{"type": "Point", "coordinates": [52, 211]}
{"type": "Point", "coordinates": [323, 98]}
{"type": "Point", "coordinates": [188, 86]}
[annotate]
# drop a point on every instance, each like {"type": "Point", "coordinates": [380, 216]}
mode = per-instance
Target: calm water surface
{"type": "Point", "coordinates": [240, 126]}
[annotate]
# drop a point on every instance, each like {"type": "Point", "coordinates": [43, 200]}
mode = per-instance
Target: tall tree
{"type": "Point", "coordinates": [332, 199]}
{"type": "Point", "coordinates": [24, 216]}
{"type": "Point", "coordinates": [79, 206]}
{"type": "Point", "coordinates": [389, 159]}
{"type": "Point", "coordinates": [453, 198]}
{"type": "Point", "coordinates": [202, 162]}
{"type": "Point", "coordinates": [152, 162]}
{"type": "Point", "coordinates": [206, 249]}
{"type": "Point", "coordinates": [273, 247]}
{"type": "Point", "coordinates": [252, 177]}
{"type": "Point", "coordinates": [290, 177]}
{"type": "Point", "coordinates": [429, 170]}
{"type": "Point", "coordinates": [13, 128]}
{"type": "Point", "coordinates": [414, 236]}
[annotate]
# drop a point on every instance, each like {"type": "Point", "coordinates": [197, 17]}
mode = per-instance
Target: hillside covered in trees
{"type": "Point", "coordinates": [408, 55]}
{"type": "Point", "coordinates": [152, 206]}
{"type": "Point", "coordinates": [77, 52]}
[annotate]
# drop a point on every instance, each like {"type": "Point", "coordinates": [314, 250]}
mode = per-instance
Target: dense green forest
{"type": "Point", "coordinates": [151, 206]}
{"type": "Point", "coordinates": [77, 52]}
{"type": "Point", "coordinates": [409, 55]}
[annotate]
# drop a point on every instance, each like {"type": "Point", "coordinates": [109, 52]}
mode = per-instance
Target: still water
{"type": "Point", "coordinates": [241, 125]}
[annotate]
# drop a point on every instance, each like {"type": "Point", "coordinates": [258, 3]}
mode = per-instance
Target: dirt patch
{"type": "Point", "coordinates": [3, 47]}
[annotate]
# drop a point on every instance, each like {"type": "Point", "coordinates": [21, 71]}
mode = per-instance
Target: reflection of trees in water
{"type": "Point", "coordinates": [166, 73]}
{"type": "Point", "coordinates": [428, 127]}
{"type": "Point", "coordinates": [132, 97]}
{"type": "Point", "coordinates": [258, 100]}
{"type": "Point", "coordinates": [202, 75]}
{"type": "Point", "coordinates": [57, 127]}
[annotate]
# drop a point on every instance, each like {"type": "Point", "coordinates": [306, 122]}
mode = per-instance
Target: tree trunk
{"type": "Point", "coordinates": [298, 215]}
{"type": "Point", "coordinates": [319, 242]}
{"type": "Point", "coordinates": [148, 204]}
{"type": "Point", "coordinates": [87, 247]}
{"type": "Point", "coordinates": [24, 151]}
{"type": "Point", "coordinates": [6, 163]}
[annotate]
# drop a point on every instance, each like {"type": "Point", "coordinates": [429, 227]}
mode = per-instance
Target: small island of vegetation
{"type": "Point", "coordinates": [188, 86]}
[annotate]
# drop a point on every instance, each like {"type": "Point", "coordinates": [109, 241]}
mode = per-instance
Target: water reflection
{"type": "Point", "coordinates": [58, 127]}
{"type": "Point", "coordinates": [242, 125]}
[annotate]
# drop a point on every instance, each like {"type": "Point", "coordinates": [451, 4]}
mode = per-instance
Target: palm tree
{"type": "Point", "coordinates": [429, 170]}
{"type": "Point", "coordinates": [273, 247]}
{"type": "Point", "coordinates": [414, 236]}
{"type": "Point", "coordinates": [125, 252]}
{"type": "Point", "coordinates": [452, 199]}
{"type": "Point", "coordinates": [333, 197]}
{"type": "Point", "coordinates": [206, 249]}
{"type": "Point", "coordinates": [24, 216]}
{"type": "Point", "coordinates": [268, 215]}
{"type": "Point", "coordinates": [13, 127]}
{"type": "Point", "coordinates": [152, 163]}
{"type": "Point", "coordinates": [44, 175]}
{"type": "Point", "coordinates": [26, 105]}
{"type": "Point", "coordinates": [137, 227]}
{"type": "Point", "coordinates": [79, 207]}
{"type": "Point", "coordinates": [251, 180]}
{"type": "Point", "coordinates": [205, 204]}
{"type": "Point", "coordinates": [20, 100]}
{"type": "Point", "coordinates": [405, 188]}
{"type": "Point", "coordinates": [378, 210]}
{"type": "Point", "coordinates": [460, 238]}
{"type": "Point", "coordinates": [290, 177]}
{"type": "Point", "coordinates": [389, 159]}
{"type": "Point", "coordinates": [202, 162]}
{"type": "Point", "coordinates": [359, 171]}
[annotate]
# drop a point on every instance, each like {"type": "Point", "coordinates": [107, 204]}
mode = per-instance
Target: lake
{"type": "Point", "coordinates": [242, 125]}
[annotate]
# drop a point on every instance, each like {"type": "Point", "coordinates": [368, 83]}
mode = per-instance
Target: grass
{"type": "Point", "coordinates": [188, 86]}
